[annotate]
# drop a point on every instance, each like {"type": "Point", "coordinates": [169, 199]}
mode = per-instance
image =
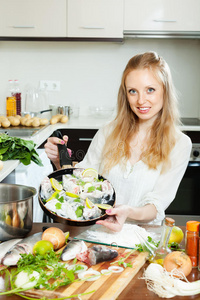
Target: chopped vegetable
{"type": "Point", "coordinates": [16, 148]}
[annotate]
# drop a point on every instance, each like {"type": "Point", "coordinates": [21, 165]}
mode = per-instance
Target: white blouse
{"type": "Point", "coordinates": [138, 185]}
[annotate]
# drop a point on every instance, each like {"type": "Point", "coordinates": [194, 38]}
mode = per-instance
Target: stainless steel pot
{"type": "Point", "coordinates": [16, 210]}
{"type": "Point", "coordinates": [34, 114]}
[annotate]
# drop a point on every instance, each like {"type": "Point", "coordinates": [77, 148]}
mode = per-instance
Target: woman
{"type": "Point", "coordinates": [142, 152]}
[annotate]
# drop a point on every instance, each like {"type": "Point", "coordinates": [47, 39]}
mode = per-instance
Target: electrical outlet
{"type": "Point", "coordinates": [50, 85]}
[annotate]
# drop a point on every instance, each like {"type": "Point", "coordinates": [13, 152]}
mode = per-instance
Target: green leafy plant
{"type": "Point", "coordinates": [17, 148]}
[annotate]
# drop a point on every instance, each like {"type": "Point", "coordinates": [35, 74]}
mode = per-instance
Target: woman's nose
{"type": "Point", "coordinates": [141, 98]}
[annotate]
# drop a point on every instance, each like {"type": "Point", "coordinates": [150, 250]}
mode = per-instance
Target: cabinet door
{"type": "Point", "coordinates": [162, 15]}
{"type": "Point", "coordinates": [33, 18]}
{"type": "Point", "coordinates": [95, 18]}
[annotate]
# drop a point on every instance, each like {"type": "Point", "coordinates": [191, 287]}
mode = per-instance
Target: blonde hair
{"type": "Point", "coordinates": [162, 136]}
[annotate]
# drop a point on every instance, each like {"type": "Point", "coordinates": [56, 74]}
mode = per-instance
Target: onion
{"type": "Point", "coordinates": [54, 235]}
{"type": "Point", "coordinates": [89, 275]}
{"type": "Point", "coordinates": [116, 269]}
{"type": "Point", "coordinates": [178, 261]}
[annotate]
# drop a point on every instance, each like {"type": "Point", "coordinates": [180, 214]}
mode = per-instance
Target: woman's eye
{"type": "Point", "coordinates": [132, 91]}
{"type": "Point", "coordinates": [150, 90]}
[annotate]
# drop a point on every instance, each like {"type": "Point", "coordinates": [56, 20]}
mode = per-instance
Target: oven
{"type": "Point", "coordinates": [186, 205]}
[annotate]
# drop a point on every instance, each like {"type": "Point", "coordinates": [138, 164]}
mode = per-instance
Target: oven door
{"type": "Point", "coordinates": [187, 200]}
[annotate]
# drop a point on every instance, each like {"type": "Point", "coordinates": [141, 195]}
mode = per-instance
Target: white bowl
{"type": "Point", "coordinates": [101, 111]}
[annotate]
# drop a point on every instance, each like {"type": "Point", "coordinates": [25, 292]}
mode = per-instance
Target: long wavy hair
{"type": "Point", "coordinates": [162, 135]}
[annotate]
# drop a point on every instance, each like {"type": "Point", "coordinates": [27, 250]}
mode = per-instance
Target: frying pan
{"type": "Point", "coordinates": [65, 161]}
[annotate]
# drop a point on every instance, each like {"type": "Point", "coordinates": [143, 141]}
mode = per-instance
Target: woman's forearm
{"type": "Point", "coordinates": [145, 213]}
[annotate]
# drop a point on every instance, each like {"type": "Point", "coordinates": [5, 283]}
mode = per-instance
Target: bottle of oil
{"type": "Point", "coordinates": [17, 95]}
{"type": "Point", "coordinates": [10, 100]}
{"type": "Point", "coordinates": [163, 248]}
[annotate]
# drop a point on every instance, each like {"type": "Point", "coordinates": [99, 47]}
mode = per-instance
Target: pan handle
{"type": "Point", "coordinates": [65, 159]}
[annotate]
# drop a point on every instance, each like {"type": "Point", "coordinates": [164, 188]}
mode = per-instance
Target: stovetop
{"type": "Point", "coordinates": [190, 121]}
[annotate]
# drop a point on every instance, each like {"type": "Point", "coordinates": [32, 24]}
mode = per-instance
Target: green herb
{"type": "Point", "coordinates": [175, 247]}
{"type": "Point", "coordinates": [16, 148]}
{"type": "Point", "coordinates": [79, 211]}
{"type": "Point", "coordinates": [77, 200]}
{"type": "Point", "coordinates": [60, 199]}
{"type": "Point", "coordinates": [121, 261]}
{"type": "Point", "coordinates": [99, 188]}
{"type": "Point", "coordinates": [58, 205]}
{"type": "Point", "coordinates": [91, 189]}
{"type": "Point", "coordinates": [142, 247]}
{"type": "Point", "coordinates": [48, 266]}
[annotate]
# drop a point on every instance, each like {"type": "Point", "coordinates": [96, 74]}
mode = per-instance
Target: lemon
{"type": "Point", "coordinates": [71, 195]}
{"type": "Point", "coordinates": [104, 206]}
{"type": "Point", "coordinates": [52, 196]}
{"type": "Point", "coordinates": [8, 220]}
{"type": "Point", "coordinates": [66, 235]}
{"type": "Point", "coordinates": [89, 203]}
{"type": "Point", "coordinates": [42, 247]}
{"type": "Point", "coordinates": [176, 235]}
{"type": "Point", "coordinates": [56, 185]}
{"type": "Point", "coordinates": [90, 173]}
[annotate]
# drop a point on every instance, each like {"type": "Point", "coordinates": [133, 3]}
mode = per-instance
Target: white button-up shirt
{"type": "Point", "coordinates": [137, 185]}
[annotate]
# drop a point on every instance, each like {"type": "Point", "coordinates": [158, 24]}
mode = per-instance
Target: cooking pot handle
{"type": "Point", "coordinates": [65, 159]}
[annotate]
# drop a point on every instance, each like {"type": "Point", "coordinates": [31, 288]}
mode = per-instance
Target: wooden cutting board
{"type": "Point", "coordinates": [107, 287]}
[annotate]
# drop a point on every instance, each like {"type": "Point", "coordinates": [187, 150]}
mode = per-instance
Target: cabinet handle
{"type": "Point", "coordinates": [92, 27]}
{"type": "Point", "coordinates": [85, 139]}
{"type": "Point", "coordinates": [165, 21]}
{"type": "Point", "coordinates": [23, 26]}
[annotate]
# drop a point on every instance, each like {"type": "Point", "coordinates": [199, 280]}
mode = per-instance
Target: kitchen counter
{"type": "Point", "coordinates": [136, 289]}
{"type": "Point", "coordinates": [83, 122]}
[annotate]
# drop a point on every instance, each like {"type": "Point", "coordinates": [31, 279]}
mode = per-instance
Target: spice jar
{"type": "Point", "coordinates": [163, 248]}
{"type": "Point", "coordinates": [191, 241]}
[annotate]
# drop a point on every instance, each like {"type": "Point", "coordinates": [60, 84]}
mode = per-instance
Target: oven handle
{"type": "Point", "coordinates": [194, 164]}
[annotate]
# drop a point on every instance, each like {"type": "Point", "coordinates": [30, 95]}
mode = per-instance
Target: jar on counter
{"type": "Point", "coordinates": [191, 241]}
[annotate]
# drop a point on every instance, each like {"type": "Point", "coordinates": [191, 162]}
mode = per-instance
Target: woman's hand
{"type": "Point", "coordinates": [51, 149]}
{"type": "Point", "coordinates": [116, 218]}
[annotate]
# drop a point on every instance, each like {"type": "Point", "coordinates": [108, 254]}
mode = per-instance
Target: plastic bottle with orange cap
{"type": "Point", "coordinates": [192, 242]}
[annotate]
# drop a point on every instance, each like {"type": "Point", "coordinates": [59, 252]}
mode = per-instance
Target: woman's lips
{"type": "Point", "coordinates": [144, 110]}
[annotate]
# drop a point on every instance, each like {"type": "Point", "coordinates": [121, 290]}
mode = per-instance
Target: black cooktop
{"type": "Point", "coordinates": [191, 121]}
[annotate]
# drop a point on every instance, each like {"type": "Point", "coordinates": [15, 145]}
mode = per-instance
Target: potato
{"type": "Point", "coordinates": [1, 165]}
{"type": "Point", "coordinates": [54, 120]}
{"type": "Point", "coordinates": [44, 122]}
{"type": "Point", "coordinates": [2, 118]}
{"type": "Point", "coordinates": [5, 124]}
{"type": "Point", "coordinates": [28, 122]}
{"type": "Point", "coordinates": [23, 121]}
{"type": "Point", "coordinates": [28, 116]}
{"type": "Point", "coordinates": [35, 118]}
{"type": "Point", "coordinates": [64, 119]}
{"type": "Point", "coordinates": [35, 123]}
{"type": "Point", "coordinates": [18, 117]}
{"type": "Point", "coordinates": [14, 121]}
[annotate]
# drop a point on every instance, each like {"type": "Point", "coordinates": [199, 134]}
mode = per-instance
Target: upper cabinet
{"type": "Point", "coordinates": [33, 18]}
{"type": "Point", "coordinates": [95, 18]}
{"type": "Point", "coordinates": [162, 15]}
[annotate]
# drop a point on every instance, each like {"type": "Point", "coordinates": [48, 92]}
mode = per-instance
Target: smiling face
{"type": "Point", "coordinates": [144, 93]}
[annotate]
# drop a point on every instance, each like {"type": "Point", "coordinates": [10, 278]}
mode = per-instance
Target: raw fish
{"type": "Point", "coordinates": [24, 246]}
{"type": "Point", "coordinates": [97, 254]}
{"type": "Point", "coordinates": [5, 247]}
{"type": "Point", "coordinates": [72, 249]}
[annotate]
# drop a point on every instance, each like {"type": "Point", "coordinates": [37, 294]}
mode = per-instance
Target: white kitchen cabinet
{"type": "Point", "coordinates": [33, 18]}
{"type": "Point", "coordinates": [95, 18]}
{"type": "Point", "coordinates": [162, 15]}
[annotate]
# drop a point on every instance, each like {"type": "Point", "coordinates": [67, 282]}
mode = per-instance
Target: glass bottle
{"type": "Point", "coordinates": [17, 95]}
{"type": "Point", "coordinates": [191, 241]}
{"type": "Point", "coordinates": [10, 100]}
{"type": "Point", "coordinates": [163, 248]}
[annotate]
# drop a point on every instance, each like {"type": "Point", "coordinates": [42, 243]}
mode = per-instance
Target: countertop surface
{"type": "Point", "coordinates": [83, 122]}
{"type": "Point", "coordinates": [137, 288]}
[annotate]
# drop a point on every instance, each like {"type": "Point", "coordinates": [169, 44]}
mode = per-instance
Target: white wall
{"type": "Point", "coordinates": [90, 72]}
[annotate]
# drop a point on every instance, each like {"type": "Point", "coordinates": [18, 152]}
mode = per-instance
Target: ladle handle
{"type": "Point", "coordinates": [65, 159]}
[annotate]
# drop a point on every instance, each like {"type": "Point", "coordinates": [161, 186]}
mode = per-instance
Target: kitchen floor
{"type": "Point", "coordinates": [181, 220]}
